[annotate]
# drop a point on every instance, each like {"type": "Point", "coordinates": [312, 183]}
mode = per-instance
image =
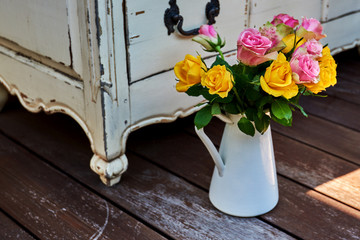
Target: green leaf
{"type": "Point", "coordinates": [210, 97]}
{"type": "Point", "coordinates": [215, 109]}
{"type": "Point", "coordinates": [285, 122]}
{"type": "Point", "coordinates": [262, 124]}
{"type": "Point", "coordinates": [220, 61]}
{"type": "Point", "coordinates": [251, 113]}
{"type": "Point", "coordinates": [231, 108]}
{"type": "Point", "coordinates": [263, 101]}
{"type": "Point", "coordinates": [203, 117]}
{"type": "Point", "coordinates": [301, 109]}
{"type": "Point", "coordinates": [281, 110]}
{"type": "Point", "coordinates": [253, 93]}
{"type": "Point", "coordinates": [246, 126]}
{"type": "Point", "coordinates": [227, 99]}
{"type": "Point", "coordinates": [195, 90]}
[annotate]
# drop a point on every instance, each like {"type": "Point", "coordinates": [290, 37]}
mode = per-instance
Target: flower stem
{"type": "Point", "coordinates": [217, 48]}
{"type": "Point", "coordinates": [238, 99]}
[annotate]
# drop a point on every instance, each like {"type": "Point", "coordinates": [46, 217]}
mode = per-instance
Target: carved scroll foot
{"type": "Point", "coordinates": [3, 96]}
{"type": "Point", "coordinates": [109, 171]}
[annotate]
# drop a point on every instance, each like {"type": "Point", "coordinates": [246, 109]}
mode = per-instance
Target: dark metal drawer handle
{"type": "Point", "coordinates": [172, 17]}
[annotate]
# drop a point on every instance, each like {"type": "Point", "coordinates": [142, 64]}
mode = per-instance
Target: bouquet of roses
{"type": "Point", "coordinates": [276, 65]}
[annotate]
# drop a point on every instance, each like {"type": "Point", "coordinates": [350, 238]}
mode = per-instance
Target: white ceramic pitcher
{"type": "Point", "coordinates": [244, 181]}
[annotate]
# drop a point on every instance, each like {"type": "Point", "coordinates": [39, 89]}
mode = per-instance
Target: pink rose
{"type": "Point", "coordinates": [310, 28]}
{"type": "Point", "coordinates": [312, 25]}
{"type": "Point", "coordinates": [208, 30]}
{"type": "Point", "coordinates": [305, 68]}
{"type": "Point", "coordinates": [286, 19]}
{"type": "Point", "coordinates": [252, 47]}
{"type": "Point", "coordinates": [271, 33]}
{"type": "Point", "coordinates": [313, 47]}
{"type": "Point", "coordinates": [252, 40]}
{"type": "Point", "coordinates": [208, 38]}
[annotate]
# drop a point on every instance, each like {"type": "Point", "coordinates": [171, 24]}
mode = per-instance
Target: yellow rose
{"type": "Point", "coordinates": [218, 80]}
{"type": "Point", "coordinates": [327, 73]}
{"type": "Point", "coordinates": [289, 42]}
{"type": "Point", "coordinates": [189, 72]}
{"type": "Point", "coordinates": [277, 80]}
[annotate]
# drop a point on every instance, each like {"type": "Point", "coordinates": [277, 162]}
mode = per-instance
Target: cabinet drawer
{"type": "Point", "coordinates": [265, 10]}
{"type": "Point", "coordinates": [150, 48]}
{"type": "Point", "coordinates": [38, 25]}
{"type": "Point", "coordinates": [336, 8]}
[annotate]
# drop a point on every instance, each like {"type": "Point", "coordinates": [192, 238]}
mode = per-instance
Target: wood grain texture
{"type": "Point", "coordinates": [328, 174]}
{"type": "Point", "coordinates": [297, 205]}
{"type": "Point", "coordinates": [165, 201]}
{"type": "Point", "coordinates": [333, 109]}
{"type": "Point", "coordinates": [322, 134]}
{"type": "Point", "coordinates": [346, 90]}
{"type": "Point", "coordinates": [54, 207]}
{"type": "Point", "coordinates": [10, 230]}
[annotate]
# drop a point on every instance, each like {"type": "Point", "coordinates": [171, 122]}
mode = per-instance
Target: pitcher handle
{"type": "Point", "coordinates": [219, 163]}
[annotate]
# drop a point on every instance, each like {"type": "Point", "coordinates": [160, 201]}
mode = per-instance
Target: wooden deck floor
{"type": "Point", "coordinates": [49, 192]}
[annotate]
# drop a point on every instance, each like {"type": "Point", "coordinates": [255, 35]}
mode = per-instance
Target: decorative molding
{"type": "Point", "coordinates": [346, 47]}
{"type": "Point", "coordinates": [109, 171]}
{"type": "Point", "coordinates": [37, 105]}
{"type": "Point", "coordinates": [154, 120]}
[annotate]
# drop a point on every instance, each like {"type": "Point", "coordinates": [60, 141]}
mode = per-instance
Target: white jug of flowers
{"type": "Point", "coordinates": [244, 181]}
{"type": "Point", "coordinates": [276, 65]}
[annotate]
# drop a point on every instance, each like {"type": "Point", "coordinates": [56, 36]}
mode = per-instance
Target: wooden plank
{"type": "Point", "coordinates": [329, 175]}
{"type": "Point", "coordinates": [325, 173]}
{"type": "Point", "coordinates": [333, 109]}
{"type": "Point", "coordinates": [10, 230]}
{"type": "Point", "coordinates": [322, 134]}
{"type": "Point", "coordinates": [346, 90]}
{"type": "Point", "coordinates": [165, 201]}
{"type": "Point", "coordinates": [52, 205]}
{"type": "Point", "coordinates": [298, 206]}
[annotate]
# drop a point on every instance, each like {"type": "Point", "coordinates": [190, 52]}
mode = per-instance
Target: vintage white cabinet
{"type": "Point", "coordinates": [107, 63]}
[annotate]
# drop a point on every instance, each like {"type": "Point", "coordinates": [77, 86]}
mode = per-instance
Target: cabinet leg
{"type": "Point", "coordinates": [109, 171]}
{"type": "Point", "coordinates": [3, 96]}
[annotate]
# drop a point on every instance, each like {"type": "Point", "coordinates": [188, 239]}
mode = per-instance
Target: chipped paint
{"type": "Point", "coordinates": [139, 12]}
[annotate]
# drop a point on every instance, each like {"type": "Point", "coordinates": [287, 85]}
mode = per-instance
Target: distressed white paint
{"type": "Point", "coordinates": [98, 95]}
{"type": "Point", "coordinates": [337, 8]}
{"type": "Point", "coordinates": [23, 21]}
{"type": "Point", "coordinates": [151, 50]}
{"type": "Point", "coordinates": [264, 10]}
{"type": "Point", "coordinates": [337, 37]}
{"type": "Point", "coordinates": [110, 172]}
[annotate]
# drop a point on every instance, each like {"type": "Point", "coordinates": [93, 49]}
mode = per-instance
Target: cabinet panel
{"type": "Point", "coordinates": [151, 50]}
{"type": "Point", "coordinates": [265, 10]}
{"type": "Point", "coordinates": [338, 8]}
{"type": "Point", "coordinates": [343, 33]}
{"type": "Point", "coordinates": [40, 26]}
{"type": "Point", "coordinates": [148, 96]}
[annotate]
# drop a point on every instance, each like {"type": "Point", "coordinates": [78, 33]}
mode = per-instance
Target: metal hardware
{"type": "Point", "coordinates": [172, 17]}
